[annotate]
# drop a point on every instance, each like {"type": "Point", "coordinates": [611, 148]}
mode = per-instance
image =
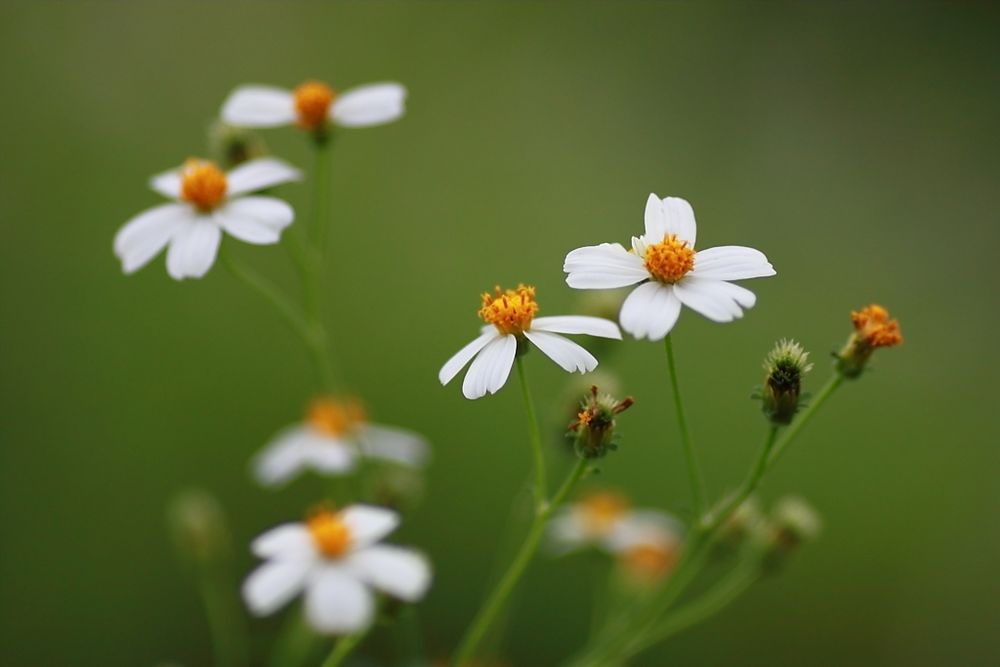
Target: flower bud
{"type": "Point", "coordinates": [872, 329]}
{"type": "Point", "coordinates": [594, 429]}
{"type": "Point", "coordinates": [785, 366]}
{"type": "Point", "coordinates": [793, 522]}
{"type": "Point", "coordinates": [743, 524]}
{"type": "Point", "coordinates": [198, 525]}
{"type": "Point", "coordinates": [232, 146]}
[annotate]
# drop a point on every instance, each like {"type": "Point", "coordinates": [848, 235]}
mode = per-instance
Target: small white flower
{"type": "Point", "coordinates": [313, 104]}
{"type": "Point", "coordinates": [605, 520]}
{"type": "Point", "coordinates": [333, 435]}
{"type": "Point", "coordinates": [511, 319]}
{"type": "Point", "coordinates": [207, 202]}
{"type": "Point", "coordinates": [671, 273]}
{"type": "Point", "coordinates": [333, 557]}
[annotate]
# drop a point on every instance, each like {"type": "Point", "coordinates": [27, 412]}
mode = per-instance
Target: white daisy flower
{"type": "Point", "coordinates": [671, 273]}
{"type": "Point", "coordinates": [648, 553]}
{"type": "Point", "coordinates": [510, 318]}
{"type": "Point", "coordinates": [605, 520]}
{"type": "Point", "coordinates": [207, 202]}
{"type": "Point", "coordinates": [330, 439]}
{"type": "Point", "coordinates": [314, 104]}
{"type": "Point", "coordinates": [334, 559]}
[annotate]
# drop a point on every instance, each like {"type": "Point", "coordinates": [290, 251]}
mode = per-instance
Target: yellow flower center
{"type": "Point", "coordinates": [669, 260]}
{"type": "Point", "coordinates": [335, 416]}
{"type": "Point", "coordinates": [650, 561]}
{"type": "Point", "coordinates": [601, 511]}
{"type": "Point", "coordinates": [202, 183]}
{"type": "Point", "coordinates": [329, 533]}
{"type": "Point", "coordinates": [312, 104]}
{"type": "Point", "coordinates": [510, 312]}
{"type": "Point", "coordinates": [875, 327]}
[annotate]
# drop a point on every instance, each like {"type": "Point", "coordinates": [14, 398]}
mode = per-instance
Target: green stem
{"type": "Point", "coordinates": [749, 484]}
{"type": "Point", "coordinates": [694, 473]}
{"type": "Point", "coordinates": [535, 437]}
{"type": "Point", "coordinates": [799, 423]}
{"type": "Point", "coordinates": [224, 617]}
{"type": "Point", "coordinates": [343, 647]}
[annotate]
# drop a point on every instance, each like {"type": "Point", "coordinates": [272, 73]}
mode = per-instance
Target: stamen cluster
{"type": "Point", "coordinates": [335, 416]}
{"type": "Point", "coordinates": [312, 104]}
{"type": "Point", "coordinates": [669, 260]}
{"type": "Point", "coordinates": [202, 183]}
{"type": "Point", "coordinates": [594, 428]}
{"type": "Point", "coordinates": [510, 311]}
{"type": "Point", "coordinates": [330, 534]}
{"type": "Point", "coordinates": [873, 328]}
{"type": "Point", "coordinates": [600, 511]}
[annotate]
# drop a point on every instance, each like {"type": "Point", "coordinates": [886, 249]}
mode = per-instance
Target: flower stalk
{"type": "Point", "coordinates": [694, 472]}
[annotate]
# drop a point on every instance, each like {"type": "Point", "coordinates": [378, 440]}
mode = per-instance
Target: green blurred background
{"type": "Point", "coordinates": [855, 143]}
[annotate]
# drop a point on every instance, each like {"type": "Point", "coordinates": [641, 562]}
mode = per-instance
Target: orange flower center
{"type": "Point", "coordinates": [312, 104]}
{"type": "Point", "coordinates": [510, 312]}
{"type": "Point", "coordinates": [650, 561]}
{"type": "Point", "coordinates": [875, 327]}
{"type": "Point", "coordinates": [600, 511]}
{"type": "Point", "coordinates": [202, 183]}
{"type": "Point", "coordinates": [335, 416]}
{"type": "Point", "coordinates": [329, 533]}
{"type": "Point", "coordinates": [669, 260]}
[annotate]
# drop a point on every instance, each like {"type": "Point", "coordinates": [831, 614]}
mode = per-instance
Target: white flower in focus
{"type": "Point", "coordinates": [313, 104]}
{"type": "Point", "coordinates": [334, 559]}
{"type": "Point", "coordinates": [329, 441]}
{"type": "Point", "coordinates": [207, 202]}
{"type": "Point", "coordinates": [510, 318]}
{"type": "Point", "coordinates": [605, 520]}
{"type": "Point", "coordinates": [671, 273]}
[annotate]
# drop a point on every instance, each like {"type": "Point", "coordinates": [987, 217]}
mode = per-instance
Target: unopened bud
{"type": "Point", "coordinates": [232, 146]}
{"type": "Point", "coordinates": [793, 522]}
{"type": "Point", "coordinates": [873, 328]}
{"type": "Point", "coordinates": [198, 525]}
{"type": "Point", "coordinates": [594, 429]}
{"type": "Point", "coordinates": [785, 366]}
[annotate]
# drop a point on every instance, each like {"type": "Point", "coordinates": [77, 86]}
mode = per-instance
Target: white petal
{"type": "Point", "coordinates": [273, 584]}
{"type": "Point", "coordinates": [402, 573]}
{"type": "Point", "coordinates": [714, 299]}
{"type": "Point", "coordinates": [145, 235]}
{"type": "Point", "coordinates": [679, 218]}
{"type": "Point", "coordinates": [565, 532]}
{"type": "Point", "coordinates": [570, 356]}
{"type": "Point", "coordinates": [167, 184]}
{"type": "Point", "coordinates": [337, 603]}
{"type": "Point", "coordinates": [258, 174]}
{"type": "Point", "coordinates": [394, 444]}
{"type": "Point", "coordinates": [284, 542]}
{"type": "Point", "coordinates": [650, 311]}
{"type": "Point", "coordinates": [490, 368]}
{"type": "Point", "coordinates": [577, 324]}
{"type": "Point", "coordinates": [655, 219]}
{"type": "Point", "coordinates": [259, 106]}
{"type": "Point", "coordinates": [373, 104]}
{"type": "Point", "coordinates": [193, 249]}
{"type": "Point", "coordinates": [256, 220]}
{"type": "Point", "coordinates": [368, 524]}
{"type": "Point", "coordinates": [642, 527]}
{"type": "Point", "coordinates": [731, 262]}
{"type": "Point", "coordinates": [462, 357]}
{"type": "Point", "coordinates": [603, 266]}
{"type": "Point", "coordinates": [282, 458]}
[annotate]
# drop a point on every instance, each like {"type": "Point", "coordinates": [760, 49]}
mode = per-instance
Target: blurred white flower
{"type": "Point", "coordinates": [335, 432]}
{"type": "Point", "coordinates": [334, 559]}
{"type": "Point", "coordinates": [207, 202]}
{"type": "Point", "coordinates": [511, 319]}
{"type": "Point", "coordinates": [671, 273]}
{"type": "Point", "coordinates": [606, 520]}
{"type": "Point", "coordinates": [313, 104]}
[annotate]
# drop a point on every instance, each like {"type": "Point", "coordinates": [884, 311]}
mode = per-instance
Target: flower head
{"type": "Point", "coordinates": [607, 521]}
{"type": "Point", "coordinates": [510, 321]}
{"type": "Point", "coordinates": [873, 328]}
{"type": "Point", "coordinates": [785, 365]}
{"type": "Point", "coordinates": [335, 559]}
{"type": "Point", "coordinates": [593, 431]}
{"type": "Point", "coordinates": [334, 433]}
{"type": "Point", "coordinates": [669, 272]}
{"type": "Point", "coordinates": [207, 201]}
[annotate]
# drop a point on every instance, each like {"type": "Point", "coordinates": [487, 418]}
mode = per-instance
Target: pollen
{"type": "Point", "coordinates": [601, 511]}
{"type": "Point", "coordinates": [875, 327]}
{"type": "Point", "coordinates": [312, 104]}
{"type": "Point", "coordinates": [335, 416]}
{"type": "Point", "coordinates": [510, 311]}
{"type": "Point", "coordinates": [202, 183]}
{"type": "Point", "coordinates": [329, 532]}
{"type": "Point", "coordinates": [669, 260]}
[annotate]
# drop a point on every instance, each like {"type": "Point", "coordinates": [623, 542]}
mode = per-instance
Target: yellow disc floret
{"type": "Point", "coordinates": [510, 312]}
{"type": "Point", "coordinates": [875, 327]}
{"type": "Point", "coordinates": [335, 416]}
{"type": "Point", "coordinates": [312, 104]}
{"type": "Point", "coordinates": [669, 260]}
{"type": "Point", "coordinates": [330, 534]}
{"type": "Point", "coordinates": [650, 562]}
{"type": "Point", "coordinates": [202, 183]}
{"type": "Point", "coordinates": [600, 511]}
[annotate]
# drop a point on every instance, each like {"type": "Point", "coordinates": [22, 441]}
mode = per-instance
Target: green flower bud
{"type": "Point", "coordinates": [793, 522]}
{"type": "Point", "coordinates": [198, 525]}
{"type": "Point", "coordinates": [232, 146]}
{"type": "Point", "coordinates": [594, 429]}
{"type": "Point", "coordinates": [785, 366]}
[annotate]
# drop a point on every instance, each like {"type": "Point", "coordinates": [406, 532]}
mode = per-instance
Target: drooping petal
{"type": "Point", "coordinates": [287, 541]}
{"type": "Point", "coordinates": [145, 235]}
{"type": "Point", "coordinates": [577, 324]}
{"type": "Point", "coordinates": [650, 311]}
{"type": "Point", "coordinates": [259, 106]}
{"type": "Point", "coordinates": [402, 573]}
{"type": "Point", "coordinates": [489, 370]}
{"type": "Point", "coordinates": [336, 602]}
{"type": "Point", "coordinates": [731, 262]}
{"type": "Point", "coordinates": [167, 183]}
{"type": "Point", "coordinates": [462, 357]}
{"type": "Point", "coordinates": [603, 266]}
{"type": "Point", "coordinates": [193, 249]}
{"type": "Point", "coordinates": [274, 583]}
{"type": "Point", "coordinates": [394, 444]}
{"type": "Point", "coordinates": [679, 218]}
{"type": "Point", "coordinates": [258, 174]}
{"type": "Point", "coordinates": [714, 299]}
{"type": "Point", "coordinates": [257, 220]}
{"type": "Point", "coordinates": [282, 458]}
{"type": "Point", "coordinates": [570, 356]}
{"type": "Point", "coordinates": [373, 104]}
{"type": "Point", "coordinates": [368, 524]}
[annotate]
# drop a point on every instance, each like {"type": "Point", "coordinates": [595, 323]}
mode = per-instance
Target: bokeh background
{"type": "Point", "coordinates": [856, 143]}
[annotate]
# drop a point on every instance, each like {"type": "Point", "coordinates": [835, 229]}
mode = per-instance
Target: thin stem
{"type": "Point", "coordinates": [750, 483]}
{"type": "Point", "coordinates": [799, 423]}
{"type": "Point", "coordinates": [225, 621]}
{"type": "Point", "coordinates": [694, 473]}
{"type": "Point", "coordinates": [343, 647]}
{"type": "Point", "coordinates": [535, 437]}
